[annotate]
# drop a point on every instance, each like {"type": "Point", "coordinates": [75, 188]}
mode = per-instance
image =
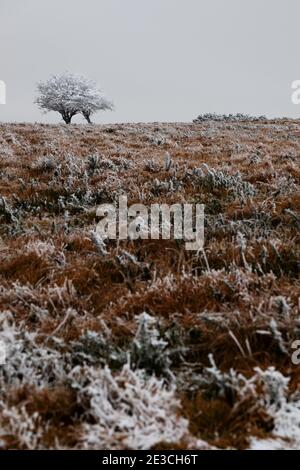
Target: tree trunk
{"type": "Point", "coordinates": [87, 117]}
{"type": "Point", "coordinates": [66, 117]}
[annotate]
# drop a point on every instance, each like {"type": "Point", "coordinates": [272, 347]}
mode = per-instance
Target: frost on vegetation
{"type": "Point", "coordinates": [285, 184]}
{"type": "Point", "coordinates": [218, 384]}
{"type": "Point", "coordinates": [99, 243]}
{"type": "Point", "coordinates": [40, 248]}
{"type": "Point", "coordinates": [270, 390]}
{"type": "Point", "coordinates": [277, 335]}
{"type": "Point", "coordinates": [25, 430]}
{"type": "Point", "coordinates": [27, 362]}
{"type": "Point", "coordinates": [158, 140]}
{"type": "Point", "coordinates": [97, 163]}
{"type": "Point", "coordinates": [97, 348]}
{"type": "Point", "coordinates": [63, 295]}
{"type": "Point", "coordinates": [11, 138]}
{"type": "Point", "coordinates": [45, 163]}
{"type": "Point", "coordinates": [282, 305]}
{"type": "Point", "coordinates": [152, 166]}
{"type": "Point", "coordinates": [149, 350]}
{"type": "Point", "coordinates": [210, 178]}
{"type": "Point", "coordinates": [269, 386]}
{"type": "Point", "coordinates": [71, 182]}
{"type": "Point", "coordinates": [71, 167]}
{"type": "Point", "coordinates": [70, 94]}
{"type": "Point", "coordinates": [228, 117]}
{"type": "Point", "coordinates": [274, 388]}
{"type": "Point", "coordinates": [7, 214]}
{"type": "Point", "coordinates": [285, 410]}
{"type": "Point", "coordinates": [127, 409]}
{"type": "Point", "coordinates": [130, 411]}
{"type": "Point", "coordinates": [43, 249]}
{"type": "Point", "coordinates": [167, 186]}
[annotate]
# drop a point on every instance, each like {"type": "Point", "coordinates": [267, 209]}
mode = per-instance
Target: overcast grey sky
{"type": "Point", "coordinates": [159, 60]}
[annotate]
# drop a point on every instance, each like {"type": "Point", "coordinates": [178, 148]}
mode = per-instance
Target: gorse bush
{"type": "Point", "coordinates": [228, 117]}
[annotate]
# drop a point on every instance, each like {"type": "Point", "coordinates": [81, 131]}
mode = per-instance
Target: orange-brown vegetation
{"type": "Point", "coordinates": [60, 293]}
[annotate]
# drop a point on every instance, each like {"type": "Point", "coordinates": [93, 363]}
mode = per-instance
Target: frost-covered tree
{"type": "Point", "coordinates": [70, 94]}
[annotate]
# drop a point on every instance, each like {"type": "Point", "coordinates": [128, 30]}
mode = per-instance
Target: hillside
{"type": "Point", "coordinates": [143, 344]}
